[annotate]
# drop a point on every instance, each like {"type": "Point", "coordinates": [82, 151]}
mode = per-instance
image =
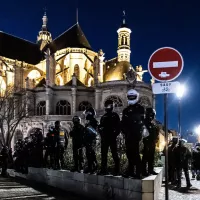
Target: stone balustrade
{"type": "Point", "coordinates": [95, 186]}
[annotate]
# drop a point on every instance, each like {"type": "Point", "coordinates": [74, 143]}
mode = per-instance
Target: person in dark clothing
{"type": "Point", "coordinates": [50, 144]}
{"type": "Point", "coordinates": [172, 160]}
{"type": "Point", "coordinates": [77, 134]}
{"type": "Point", "coordinates": [196, 161]}
{"type": "Point", "coordinates": [132, 126]}
{"type": "Point", "coordinates": [61, 138]}
{"type": "Point", "coordinates": [4, 159]}
{"type": "Point", "coordinates": [109, 129]}
{"type": "Point", "coordinates": [150, 143]}
{"type": "Point", "coordinates": [90, 139]}
{"type": "Point", "coordinates": [182, 155]}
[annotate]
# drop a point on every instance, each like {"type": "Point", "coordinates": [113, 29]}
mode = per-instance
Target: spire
{"type": "Point", "coordinates": [44, 36]}
{"type": "Point", "coordinates": [124, 41]}
{"type": "Point", "coordinates": [124, 25]}
{"type": "Point", "coordinates": [45, 19]}
{"type": "Point", "coordinates": [77, 15]}
{"type": "Point", "coordinates": [124, 17]}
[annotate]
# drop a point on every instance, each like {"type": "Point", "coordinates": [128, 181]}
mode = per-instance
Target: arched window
{"type": "Point", "coordinates": [76, 71]}
{"type": "Point", "coordinates": [2, 86]}
{"type": "Point", "coordinates": [58, 68]}
{"type": "Point", "coordinates": [114, 100]}
{"type": "Point", "coordinates": [84, 105]}
{"type": "Point", "coordinates": [34, 74]}
{"type": "Point", "coordinates": [59, 80]}
{"type": "Point", "coordinates": [63, 108]}
{"type": "Point", "coordinates": [41, 108]}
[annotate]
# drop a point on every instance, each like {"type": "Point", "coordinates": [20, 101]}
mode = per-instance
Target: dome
{"type": "Point", "coordinates": [116, 71]}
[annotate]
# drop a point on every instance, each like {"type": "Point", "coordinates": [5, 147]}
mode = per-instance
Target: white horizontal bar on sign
{"type": "Point", "coordinates": [165, 64]}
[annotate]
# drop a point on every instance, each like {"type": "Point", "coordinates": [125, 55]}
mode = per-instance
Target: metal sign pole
{"type": "Point", "coordinates": [179, 117]}
{"type": "Point", "coordinates": [166, 146]}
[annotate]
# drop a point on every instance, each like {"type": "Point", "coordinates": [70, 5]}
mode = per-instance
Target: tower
{"type": "Point", "coordinates": [44, 36]}
{"type": "Point", "coordinates": [124, 42]}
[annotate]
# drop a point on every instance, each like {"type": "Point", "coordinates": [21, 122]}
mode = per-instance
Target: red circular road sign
{"type": "Point", "coordinates": [165, 64]}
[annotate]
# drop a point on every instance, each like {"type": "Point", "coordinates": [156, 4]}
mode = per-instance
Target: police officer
{"type": "Point", "coordinates": [150, 142]}
{"type": "Point", "coordinates": [182, 155]}
{"type": "Point", "coordinates": [109, 129]}
{"type": "Point", "coordinates": [77, 134]}
{"type": "Point", "coordinates": [61, 144]}
{"type": "Point", "coordinates": [18, 157]}
{"type": "Point", "coordinates": [172, 160]}
{"type": "Point", "coordinates": [132, 126]}
{"type": "Point", "coordinates": [196, 161]}
{"type": "Point", "coordinates": [50, 144]}
{"type": "Point", "coordinates": [38, 147]}
{"type": "Point", "coordinates": [4, 159]}
{"type": "Point", "coordinates": [90, 139]}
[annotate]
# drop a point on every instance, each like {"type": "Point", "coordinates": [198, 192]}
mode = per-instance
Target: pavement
{"type": "Point", "coordinates": [183, 193]}
{"type": "Point", "coordinates": [23, 189]}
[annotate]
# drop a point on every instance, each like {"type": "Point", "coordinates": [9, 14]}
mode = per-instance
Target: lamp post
{"type": "Point", "coordinates": [197, 131]}
{"type": "Point", "coordinates": [179, 94]}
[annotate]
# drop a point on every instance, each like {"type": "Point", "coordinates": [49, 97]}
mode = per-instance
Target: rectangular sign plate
{"type": "Point", "coordinates": [165, 87]}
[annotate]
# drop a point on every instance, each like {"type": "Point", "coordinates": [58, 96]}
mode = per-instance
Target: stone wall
{"type": "Point", "coordinates": [97, 187]}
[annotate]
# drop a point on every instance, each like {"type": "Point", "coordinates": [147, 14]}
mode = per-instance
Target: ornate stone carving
{"type": "Point", "coordinates": [140, 72]}
{"type": "Point", "coordinates": [131, 77]}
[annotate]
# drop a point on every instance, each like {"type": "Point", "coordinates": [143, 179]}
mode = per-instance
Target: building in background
{"type": "Point", "coordinates": [66, 75]}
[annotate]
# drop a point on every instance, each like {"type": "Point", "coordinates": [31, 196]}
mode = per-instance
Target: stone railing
{"type": "Point", "coordinates": [97, 187]}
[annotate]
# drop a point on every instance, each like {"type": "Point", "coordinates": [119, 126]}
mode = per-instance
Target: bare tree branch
{"type": "Point", "coordinates": [15, 105]}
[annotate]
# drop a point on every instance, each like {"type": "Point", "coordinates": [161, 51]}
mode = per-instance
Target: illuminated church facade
{"type": "Point", "coordinates": [67, 75]}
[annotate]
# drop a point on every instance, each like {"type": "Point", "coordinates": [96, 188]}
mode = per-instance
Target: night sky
{"type": "Point", "coordinates": [154, 24]}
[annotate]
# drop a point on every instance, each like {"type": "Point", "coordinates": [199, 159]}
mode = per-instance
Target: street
{"type": "Point", "coordinates": [22, 189]}
{"type": "Point", "coordinates": [183, 193]}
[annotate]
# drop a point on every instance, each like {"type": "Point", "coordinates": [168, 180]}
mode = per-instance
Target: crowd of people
{"type": "Point", "coordinates": [137, 124]}
{"type": "Point", "coordinates": [183, 159]}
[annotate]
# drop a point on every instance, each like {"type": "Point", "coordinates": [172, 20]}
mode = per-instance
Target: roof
{"type": "Point", "coordinates": [79, 83]}
{"type": "Point", "coordinates": [116, 70]}
{"type": "Point", "coordinates": [19, 49]}
{"type": "Point", "coordinates": [73, 37]}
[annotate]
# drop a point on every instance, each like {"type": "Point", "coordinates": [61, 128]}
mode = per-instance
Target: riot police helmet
{"type": "Point", "coordinates": [109, 106]}
{"type": "Point", "coordinates": [89, 113]}
{"type": "Point", "coordinates": [76, 120]}
{"type": "Point", "coordinates": [197, 144]}
{"type": "Point", "coordinates": [150, 113]}
{"type": "Point", "coordinates": [175, 140]}
{"type": "Point", "coordinates": [182, 142]}
{"type": "Point", "coordinates": [198, 148]}
{"type": "Point", "coordinates": [51, 129]}
{"type": "Point", "coordinates": [132, 97]}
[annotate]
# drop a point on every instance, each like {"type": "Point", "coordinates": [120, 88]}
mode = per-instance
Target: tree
{"type": "Point", "coordinates": [15, 105]}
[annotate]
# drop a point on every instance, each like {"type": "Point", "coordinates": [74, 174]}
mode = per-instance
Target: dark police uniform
{"type": "Point", "coordinates": [90, 139]}
{"type": "Point", "coordinates": [61, 144]}
{"type": "Point", "coordinates": [77, 134]}
{"type": "Point", "coordinates": [132, 124]}
{"type": "Point", "coordinates": [196, 161]}
{"type": "Point", "coordinates": [149, 142]}
{"type": "Point", "coordinates": [50, 144]}
{"type": "Point", "coordinates": [109, 130]}
{"type": "Point", "coordinates": [182, 155]}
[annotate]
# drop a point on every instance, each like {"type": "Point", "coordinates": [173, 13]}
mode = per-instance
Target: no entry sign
{"type": "Point", "coordinates": [165, 64]}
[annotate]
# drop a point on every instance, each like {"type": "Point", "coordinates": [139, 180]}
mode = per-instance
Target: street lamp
{"type": "Point", "coordinates": [197, 131]}
{"type": "Point", "coordinates": [180, 92]}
